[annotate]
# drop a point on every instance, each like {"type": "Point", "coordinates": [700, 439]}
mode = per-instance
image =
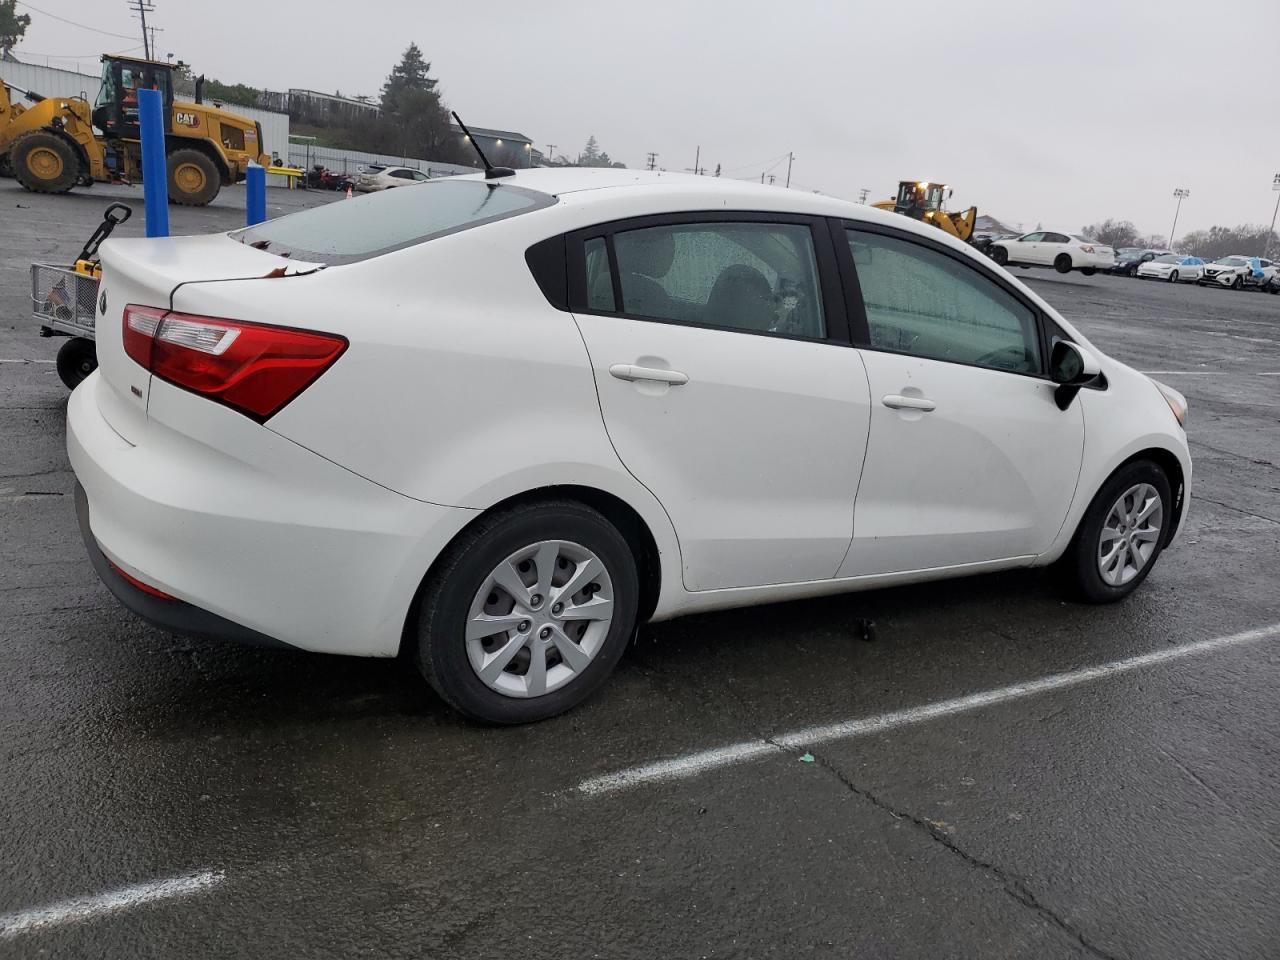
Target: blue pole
{"type": "Point", "coordinates": [155, 174]}
{"type": "Point", "coordinates": [255, 194]}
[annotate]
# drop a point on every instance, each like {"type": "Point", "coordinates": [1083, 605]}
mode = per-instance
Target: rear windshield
{"type": "Point", "coordinates": [347, 230]}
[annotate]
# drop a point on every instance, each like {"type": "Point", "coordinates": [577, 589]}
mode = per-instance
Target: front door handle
{"type": "Point", "coordinates": [629, 371]}
{"type": "Point", "coordinates": [897, 402]}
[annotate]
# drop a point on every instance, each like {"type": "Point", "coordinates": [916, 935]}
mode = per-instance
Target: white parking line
{"type": "Point", "coordinates": [1207, 373]}
{"type": "Point", "coordinates": [27, 361]}
{"type": "Point", "coordinates": [693, 764]}
{"type": "Point", "coordinates": [113, 901]}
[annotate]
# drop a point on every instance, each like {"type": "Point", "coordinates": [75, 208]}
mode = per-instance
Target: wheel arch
{"type": "Point", "coordinates": [1167, 461]}
{"type": "Point", "coordinates": [633, 527]}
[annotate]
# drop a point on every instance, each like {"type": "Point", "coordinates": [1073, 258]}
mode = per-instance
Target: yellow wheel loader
{"type": "Point", "coordinates": [923, 200]}
{"type": "Point", "coordinates": [50, 143]}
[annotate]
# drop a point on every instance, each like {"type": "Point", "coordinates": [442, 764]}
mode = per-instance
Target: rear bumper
{"type": "Point", "coordinates": [172, 615]}
{"type": "Point", "coordinates": [259, 539]}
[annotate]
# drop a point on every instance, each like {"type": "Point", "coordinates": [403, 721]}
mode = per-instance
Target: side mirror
{"type": "Point", "coordinates": [1071, 366]}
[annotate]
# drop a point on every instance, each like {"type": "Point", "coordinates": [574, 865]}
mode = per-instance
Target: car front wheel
{"type": "Point", "coordinates": [1122, 533]}
{"type": "Point", "coordinates": [528, 612]}
{"type": "Point", "coordinates": [1173, 277]}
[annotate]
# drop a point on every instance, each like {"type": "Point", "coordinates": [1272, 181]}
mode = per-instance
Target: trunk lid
{"type": "Point", "coordinates": [147, 273]}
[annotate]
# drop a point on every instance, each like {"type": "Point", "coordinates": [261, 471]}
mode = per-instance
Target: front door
{"type": "Point", "coordinates": [725, 390]}
{"type": "Point", "coordinates": [969, 459]}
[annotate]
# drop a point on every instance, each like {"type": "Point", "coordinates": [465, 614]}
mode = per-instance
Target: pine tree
{"type": "Point", "coordinates": [410, 74]}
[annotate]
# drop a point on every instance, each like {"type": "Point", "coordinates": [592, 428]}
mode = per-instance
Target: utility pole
{"type": "Point", "coordinates": [1181, 193]}
{"type": "Point", "coordinates": [790, 157]}
{"type": "Point", "coordinates": [141, 8]}
{"type": "Point", "coordinates": [551, 152]}
{"type": "Point", "coordinates": [1275, 185]}
{"type": "Point", "coordinates": [862, 194]}
{"type": "Point", "coordinates": [772, 177]}
{"type": "Point", "coordinates": [652, 162]}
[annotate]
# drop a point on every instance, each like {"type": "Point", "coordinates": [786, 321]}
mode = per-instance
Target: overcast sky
{"type": "Point", "coordinates": [1054, 113]}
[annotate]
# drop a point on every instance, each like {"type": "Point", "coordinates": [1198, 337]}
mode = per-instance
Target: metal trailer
{"type": "Point", "coordinates": [64, 301]}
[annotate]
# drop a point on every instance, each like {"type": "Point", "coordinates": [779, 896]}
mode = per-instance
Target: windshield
{"type": "Point", "coordinates": [1230, 261]}
{"type": "Point", "coordinates": [1168, 258]}
{"type": "Point", "coordinates": [372, 225]}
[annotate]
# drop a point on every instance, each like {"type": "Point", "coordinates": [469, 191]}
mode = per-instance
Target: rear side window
{"type": "Point", "coordinates": [926, 304]}
{"type": "Point", "coordinates": [756, 277]}
{"type": "Point", "coordinates": [378, 223]}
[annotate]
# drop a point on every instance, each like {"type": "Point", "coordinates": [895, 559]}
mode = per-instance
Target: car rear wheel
{"type": "Point", "coordinates": [1062, 263]}
{"type": "Point", "coordinates": [1173, 276]}
{"type": "Point", "coordinates": [1122, 533]}
{"type": "Point", "coordinates": [1088, 271]}
{"type": "Point", "coordinates": [1000, 255]}
{"type": "Point", "coordinates": [528, 612]}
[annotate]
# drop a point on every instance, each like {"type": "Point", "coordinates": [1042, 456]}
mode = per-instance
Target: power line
{"type": "Point", "coordinates": [54, 16]}
{"type": "Point", "coordinates": [746, 166]}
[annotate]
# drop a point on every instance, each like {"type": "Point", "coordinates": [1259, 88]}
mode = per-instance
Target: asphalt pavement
{"type": "Point", "coordinates": [1010, 774]}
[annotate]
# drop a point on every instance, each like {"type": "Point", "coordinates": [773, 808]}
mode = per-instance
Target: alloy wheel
{"type": "Point", "coordinates": [1130, 534]}
{"type": "Point", "coordinates": [539, 618]}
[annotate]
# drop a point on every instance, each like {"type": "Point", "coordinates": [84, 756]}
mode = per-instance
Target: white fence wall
{"type": "Point", "coordinates": [49, 81]}
{"type": "Point", "coordinates": [52, 82]}
{"type": "Point", "coordinates": [350, 161]}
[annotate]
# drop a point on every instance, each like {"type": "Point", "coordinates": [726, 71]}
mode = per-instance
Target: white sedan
{"type": "Point", "coordinates": [1174, 268]}
{"type": "Point", "coordinates": [1062, 251]}
{"type": "Point", "coordinates": [494, 424]}
{"type": "Point", "coordinates": [374, 178]}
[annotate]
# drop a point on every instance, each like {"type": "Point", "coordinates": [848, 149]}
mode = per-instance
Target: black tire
{"type": "Point", "coordinates": [1173, 276]}
{"type": "Point", "coordinates": [194, 179]}
{"type": "Point", "coordinates": [1062, 263]}
{"type": "Point", "coordinates": [1237, 283]}
{"type": "Point", "coordinates": [77, 358]}
{"type": "Point", "coordinates": [461, 570]}
{"type": "Point", "coordinates": [44, 162]}
{"type": "Point", "coordinates": [1080, 560]}
{"type": "Point", "coordinates": [1000, 255]}
{"type": "Point", "coordinates": [1088, 271]}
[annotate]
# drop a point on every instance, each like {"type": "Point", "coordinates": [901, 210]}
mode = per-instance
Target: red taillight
{"type": "Point", "coordinates": [252, 367]}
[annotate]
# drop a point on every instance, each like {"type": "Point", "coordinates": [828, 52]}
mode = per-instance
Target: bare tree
{"type": "Point", "coordinates": [1114, 233]}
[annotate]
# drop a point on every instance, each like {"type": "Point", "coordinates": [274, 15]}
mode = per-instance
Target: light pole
{"type": "Point", "coordinates": [1181, 193]}
{"type": "Point", "coordinates": [1275, 185]}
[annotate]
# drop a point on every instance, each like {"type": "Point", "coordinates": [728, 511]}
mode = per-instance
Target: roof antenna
{"type": "Point", "coordinates": [490, 171]}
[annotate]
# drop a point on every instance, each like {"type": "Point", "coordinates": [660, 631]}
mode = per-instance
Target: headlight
{"type": "Point", "coordinates": [1177, 402]}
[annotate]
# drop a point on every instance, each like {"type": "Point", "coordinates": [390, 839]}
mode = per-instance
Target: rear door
{"type": "Point", "coordinates": [1052, 245]}
{"type": "Point", "coordinates": [728, 386]}
{"type": "Point", "coordinates": [969, 459]}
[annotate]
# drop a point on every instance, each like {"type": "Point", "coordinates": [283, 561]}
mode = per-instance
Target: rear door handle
{"type": "Point", "coordinates": [629, 371]}
{"type": "Point", "coordinates": [896, 402]}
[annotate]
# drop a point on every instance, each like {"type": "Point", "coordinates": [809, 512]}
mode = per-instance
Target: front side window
{"type": "Point", "coordinates": [756, 277]}
{"type": "Point", "coordinates": [924, 303]}
{"type": "Point", "coordinates": [1033, 238]}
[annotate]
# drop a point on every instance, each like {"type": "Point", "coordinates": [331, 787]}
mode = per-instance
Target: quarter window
{"type": "Point", "coordinates": [599, 279]}
{"type": "Point", "coordinates": [926, 304]}
{"type": "Point", "coordinates": [757, 277]}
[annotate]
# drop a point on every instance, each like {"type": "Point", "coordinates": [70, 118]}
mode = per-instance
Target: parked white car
{"type": "Point", "coordinates": [1062, 251]}
{"type": "Point", "coordinates": [1236, 271]}
{"type": "Point", "coordinates": [1172, 267]}
{"type": "Point", "coordinates": [374, 178]}
{"type": "Point", "coordinates": [496, 424]}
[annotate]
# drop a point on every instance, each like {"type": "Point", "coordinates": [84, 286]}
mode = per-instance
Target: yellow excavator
{"type": "Point", "coordinates": [923, 200]}
{"type": "Point", "coordinates": [50, 145]}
